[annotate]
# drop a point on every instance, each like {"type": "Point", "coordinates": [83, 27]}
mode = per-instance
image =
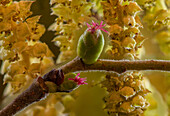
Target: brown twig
{"type": "Point", "coordinates": [38, 89]}
{"type": "Point", "coordinates": [118, 66]}
{"type": "Point", "coordinates": [32, 94]}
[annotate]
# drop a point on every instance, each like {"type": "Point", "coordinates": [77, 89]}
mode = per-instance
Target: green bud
{"type": "Point", "coordinates": [91, 43]}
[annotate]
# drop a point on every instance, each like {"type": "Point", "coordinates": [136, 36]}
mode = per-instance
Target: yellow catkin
{"type": "Point", "coordinates": [125, 92]}
{"type": "Point", "coordinates": [71, 17]}
{"type": "Point", "coordinates": [20, 46]}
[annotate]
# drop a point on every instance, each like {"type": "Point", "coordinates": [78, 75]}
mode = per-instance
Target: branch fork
{"type": "Point", "coordinates": [38, 89]}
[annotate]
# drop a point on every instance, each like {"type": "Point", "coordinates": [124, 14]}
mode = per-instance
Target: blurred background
{"type": "Point", "coordinates": [157, 82]}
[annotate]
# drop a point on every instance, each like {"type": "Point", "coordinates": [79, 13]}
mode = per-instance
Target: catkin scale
{"type": "Point", "coordinates": [90, 46]}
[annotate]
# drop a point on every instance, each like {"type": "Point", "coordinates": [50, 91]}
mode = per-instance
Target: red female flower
{"type": "Point", "coordinates": [96, 26]}
{"type": "Point", "coordinates": [78, 80]}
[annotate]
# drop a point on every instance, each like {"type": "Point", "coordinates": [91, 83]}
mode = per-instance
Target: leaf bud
{"type": "Point", "coordinates": [91, 43]}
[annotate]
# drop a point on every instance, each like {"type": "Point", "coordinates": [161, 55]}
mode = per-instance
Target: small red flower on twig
{"type": "Point", "coordinates": [78, 80]}
{"type": "Point", "coordinates": [96, 26]}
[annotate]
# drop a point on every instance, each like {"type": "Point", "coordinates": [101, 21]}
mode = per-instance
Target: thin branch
{"type": "Point", "coordinates": [38, 89]}
{"type": "Point", "coordinates": [118, 66]}
{"type": "Point", "coordinates": [32, 94]}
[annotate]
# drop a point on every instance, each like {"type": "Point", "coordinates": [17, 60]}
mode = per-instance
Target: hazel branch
{"type": "Point", "coordinates": [39, 89]}
{"type": "Point", "coordinates": [32, 94]}
{"type": "Point", "coordinates": [118, 66]}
